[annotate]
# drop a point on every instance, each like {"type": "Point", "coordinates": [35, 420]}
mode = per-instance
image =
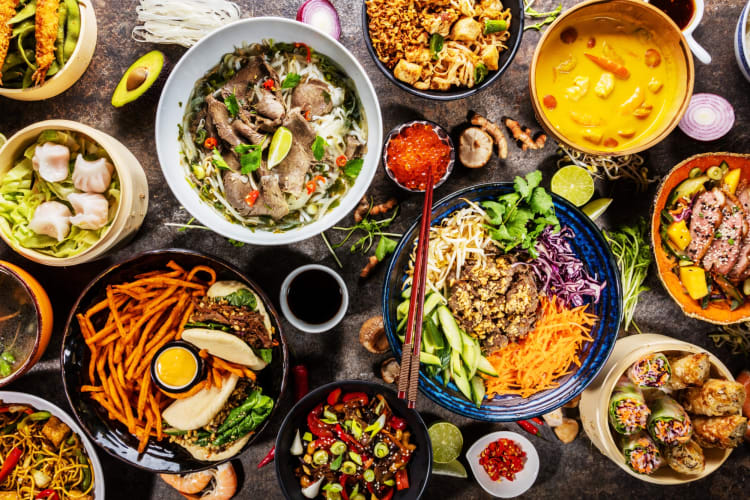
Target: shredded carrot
{"type": "Point", "coordinates": [547, 353]}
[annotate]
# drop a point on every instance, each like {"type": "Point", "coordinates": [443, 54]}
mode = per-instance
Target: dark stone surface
{"type": "Point", "coordinates": [577, 470]}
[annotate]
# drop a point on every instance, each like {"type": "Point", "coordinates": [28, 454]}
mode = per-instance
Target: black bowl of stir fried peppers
{"type": "Point", "coordinates": [353, 440]}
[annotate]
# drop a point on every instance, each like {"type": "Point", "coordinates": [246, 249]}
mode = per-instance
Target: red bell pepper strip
{"type": "Point", "coordinates": [402, 479]}
{"type": "Point", "coordinates": [388, 495]}
{"type": "Point", "coordinates": [49, 494]}
{"type": "Point", "coordinates": [526, 425]}
{"type": "Point", "coordinates": [397, 423]}
{"type": "Point", "coordinates": [301, 382]}
{"type": "Point", "coordinates": [268, 458]}
{"type": "Point", "coordinates": [10, 462]}
{"type": "Point", "coordinates": [342, 482]}
{"type": "Point", "coordinates": [347, 438]}
{"type": "Point", "coordinates": [334, 396]}
{"type": "Point", "coordinates": [317, 427]}
{"type": "Point", "coordinates": [358, 396]}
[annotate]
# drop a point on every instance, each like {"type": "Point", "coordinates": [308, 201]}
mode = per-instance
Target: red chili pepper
{"type": "Point", "coordinates": [308, 115]}
{"type": "Point", "coordinates": [526, 425]}
{"type": "Point", "coordinates": [341, 161]}
{"type": "Point", "coordinates": [388, 495]}
{"type": "Point", "coordinates": [268, 84]}
{"type": "Point", "coordinates": [268, 458]}
{"type": "Point", "coordinates": [210, 143]}
{"type": "Point", "coordinates": [342, 482]}
{"type": "Point", "coordinates": [48, 493]}
{"type": "Point", "coordinates": [347, 438]}
{"type": "Point", "coordinates": [317, 427]}
{"type": "Point", "coordinates": [334, 396]}
{"type": "Point", "coordinates": [310, 185]}
{"type": "Point", "coordinates": [359, 396]}
{"type": "Point", "coordinates": [397, 423]}
{"type": "Point", "coordinates": [323, 442]}
{"type": "Point", "coordinates": [301, 382]}
{"type": "Point", "coordinates": [502, 459]}
{"type": "Point", "coordinates": [402, 479]}
{"type": "Point", "coordinates": [309, 52]}
{"type": "Point", "coordinates": [252, 197]}
{"type": "Point", "coordinates": [537, 421]}
{"type": "Point", "coordinates": [10, 462]}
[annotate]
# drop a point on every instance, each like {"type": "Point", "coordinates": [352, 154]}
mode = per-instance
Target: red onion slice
{"type": "Point", "coordinates": [708, 117]}
{"type": "Point", "coordinates": [320, 14]}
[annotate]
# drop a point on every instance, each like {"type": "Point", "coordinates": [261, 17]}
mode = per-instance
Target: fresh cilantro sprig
{"type": "Point", "coordinates": [319, 147]}
{"type": "Point", "coordinates": [290, 81]}
{"type": "Point", "coordinates": [250, 156]}
{"type": "Point", "coordinates": [517, 219]}
{"type": "Point", "coordinates": [546, 17]}
{"type": "Point", "coordinates": [372, 229]}
{"type": "Point", "coordinates": [232, 105]}
{"type": "Point", "coordinates": [353, 167]}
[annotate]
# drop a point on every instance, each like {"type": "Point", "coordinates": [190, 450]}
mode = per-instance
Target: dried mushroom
{"type": "Point", "coordinates": [475, 147]}
{"type": "Point", "coordinates": [389, 370]}
{"type": "Point", "coordinates": [372, 335]}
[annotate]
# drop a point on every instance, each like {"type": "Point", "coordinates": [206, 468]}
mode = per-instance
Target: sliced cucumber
{"type": "Point", "coordinates": [406, 293]}
{"type": "Point", "coordinates": [459, 377]}
{"type": "Point", "coordinates": [477, 388]}
{"type": "Point", "coordinates": [429, 359]}
{"type": "Point", "coordinates": [402, 310]}
{"type": "Point", "coordinates": [486, 367]}
{"type": "Point", "coordinates": [431, 302]}
{"type": "Point", "coordinates": [470, 354]}
{"type": "Point", "coordinates": [450, 328]}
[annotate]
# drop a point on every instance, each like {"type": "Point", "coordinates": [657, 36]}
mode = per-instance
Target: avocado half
{"type": "Point", "coordinates": [138, 78]}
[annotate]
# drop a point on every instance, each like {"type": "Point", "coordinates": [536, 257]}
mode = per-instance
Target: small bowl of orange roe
{"type": "Point", "coordinates": [412, 148]}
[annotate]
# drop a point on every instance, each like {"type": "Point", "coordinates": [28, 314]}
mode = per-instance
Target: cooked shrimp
{"type": "Point", "coordinates": [46, 36]}
{"type": "Point", "coordinates": [189, 483]}
{"type": "Point", "coordinates": [223, 487]}
{"type": "Point", "coordinates": [7, 11]}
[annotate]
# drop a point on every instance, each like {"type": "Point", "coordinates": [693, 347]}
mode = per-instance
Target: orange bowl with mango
{"type": "Point", "coordinates": [611, 77]}
{"type": "Point", "coordinates": [700, 233]}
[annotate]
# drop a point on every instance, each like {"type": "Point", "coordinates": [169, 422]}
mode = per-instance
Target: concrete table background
{"type": "Point", "coordinates": [576, 470]}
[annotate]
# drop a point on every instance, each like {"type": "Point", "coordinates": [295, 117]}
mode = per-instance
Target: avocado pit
{"type": "Point", "coordinates": [136, 78]}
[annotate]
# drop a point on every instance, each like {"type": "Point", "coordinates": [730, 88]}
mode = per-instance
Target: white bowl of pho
{"type": "Point", "coordinates": [268, 131]}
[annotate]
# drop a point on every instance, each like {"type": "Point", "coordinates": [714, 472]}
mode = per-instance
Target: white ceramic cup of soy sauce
{"type": "Point", "coordinates": [698, 6]}
{"type": "Point", "coordinates": [314, 298]}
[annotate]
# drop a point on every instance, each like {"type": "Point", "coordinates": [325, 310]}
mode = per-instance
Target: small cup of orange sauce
{"type": "Point", "coordinates": [177, 367]}
{"type": "Point", "coordinates": [412, 148]}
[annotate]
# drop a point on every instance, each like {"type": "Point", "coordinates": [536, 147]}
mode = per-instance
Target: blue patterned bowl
{"type": "Point", "coordinates": [590, 247]}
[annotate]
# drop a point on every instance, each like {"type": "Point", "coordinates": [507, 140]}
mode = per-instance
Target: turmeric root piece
{"type": "Point", "coordinates": [371, 264]}
{"type": "Point", "coordinates": [361, 211]}
{"type": "Point", "coordinates": [522, 135]}
{"type": "Point", "coordinates": [383, 208]}
{"type": "Point", "coordinates": [495, 132]}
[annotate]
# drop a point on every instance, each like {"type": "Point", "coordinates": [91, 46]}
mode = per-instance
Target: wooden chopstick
{"type": "Point", "coordinates": [408, 383]}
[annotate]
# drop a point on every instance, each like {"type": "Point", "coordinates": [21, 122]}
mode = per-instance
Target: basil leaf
{"type": "Point", "coordinates": [319, 147]}
{"type": "Point", "coordinates": [230, 102]}
{"type": "Point", "coordinates": [436, 45]}
{"type": "Point", "coordinates": [291, 81]}
{"type": "Point", "coordinates": [353, 167]}
{"type": "Point", "coordinates": [218, 160]}
{"type": "Point", "coordinates": [241, 298]}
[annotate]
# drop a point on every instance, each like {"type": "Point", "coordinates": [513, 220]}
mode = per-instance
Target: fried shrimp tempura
{"type": "Point", "coordinates": [7, 11]}
{"type": "Point", "coordinates": [46, 36]}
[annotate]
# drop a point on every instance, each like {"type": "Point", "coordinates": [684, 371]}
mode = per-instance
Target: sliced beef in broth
{"type": "Point", "coordinates": [314, 96]}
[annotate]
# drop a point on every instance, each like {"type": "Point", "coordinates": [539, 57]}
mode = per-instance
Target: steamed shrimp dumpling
{"type": "Point", "coordinates": [92, 210]}
{"type": "Point", "coordinates": [92, 176]}
{"type": "Point", "coordinates": [51, 218]}
{"type": "Point", "coordinates": [51, 161]}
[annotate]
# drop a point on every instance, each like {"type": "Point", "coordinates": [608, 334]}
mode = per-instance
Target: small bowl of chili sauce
{"type": "Point", "coordinates": [504, 463]}
{"type": "Point", "coordinates": [411, 148]}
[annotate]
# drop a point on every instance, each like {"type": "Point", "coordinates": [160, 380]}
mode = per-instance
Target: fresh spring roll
{"type": "Point", "coordinates": [669, 423]}
{"type": "Point", "coordinates": [690, 370]}
{"type": "Point", "coordinates": [720, 432]}
{"type": "Point", "coordinates": [715, 398]}
{"type": "Point", "coordinates": [641, 454]}
{"type": "Point", "coordinates": [685, 458]}
{"type": "Point", "coordinates": [628, 412]}
{"type": "Point", "coordinates": [652, 370]}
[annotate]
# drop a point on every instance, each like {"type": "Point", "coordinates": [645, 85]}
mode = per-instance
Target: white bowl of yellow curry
{"type": "Point", "coordinates": [611, 77]}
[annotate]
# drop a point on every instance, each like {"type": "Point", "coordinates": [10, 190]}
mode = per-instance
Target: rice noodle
{"type": "Point", "coordinates": [182, 22]}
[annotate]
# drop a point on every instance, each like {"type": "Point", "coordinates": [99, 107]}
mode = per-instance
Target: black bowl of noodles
{"type": "Point", "coordinates": [464, 39]}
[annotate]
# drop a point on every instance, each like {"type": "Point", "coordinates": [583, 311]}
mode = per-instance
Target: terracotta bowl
{"type": "Point", "coordinates": [74, 68]}
{"type": "Point", "coordinates": [717, 312]}
{"type": "Point", "coordinates": [37, 296]}
{"type": "Point", "coordinates": [594, 406]}
{"type": "Point", "coordinates": [133, 189]}
{"type": "Point", "coordinates": [673, 46]}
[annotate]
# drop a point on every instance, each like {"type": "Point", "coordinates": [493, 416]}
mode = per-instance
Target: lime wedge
{"type": "Point", "coordinates": [596, 207]}
{"type": "Point", "coordinates": [281, 143]}
{"type": "Point", "coordinates": [3, 140]}
{"type": "Point", "coordinates": [452, 469]}
{"type": "Point", "coordinates": [573, 183]}
{"type": "Point", "coordinates": [447, 442]}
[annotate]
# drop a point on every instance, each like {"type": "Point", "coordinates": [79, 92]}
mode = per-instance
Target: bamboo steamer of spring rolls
{"type": "Point", "coordinates": [595, 403]}
{"type": "Point", "coordinates": [133, 190]}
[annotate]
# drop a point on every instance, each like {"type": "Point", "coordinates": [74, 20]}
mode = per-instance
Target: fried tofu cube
{"type": "Point", "coordinates": [490, 57]}
{"type": "Point", "coordinates": [55, 430]}
{"type": "Point", "coordinates": [585, 119]}
{"type": "Point", "coordinates": [439, 83]}
{"type": "Point", "coordinates": [440, 23]}
{"type": "Point", "coordinates": [579, 88]}
{"type": "Point", "coordinates": [407, 72]}
{"type": "Point", "coordinates": [593, 136]}
{"type": "Point", "coordinates": [605, 85]}
{"type": "Point", "coordinates": [655, 85]}
{"type": "Point", "coordinates": [466, 29]}
{"type": "Point", "coordinates": [418, 55]}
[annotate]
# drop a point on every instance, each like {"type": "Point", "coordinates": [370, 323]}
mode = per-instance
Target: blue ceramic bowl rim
{"type": "Point", "coordinates": [548, 403]}
{"type": "Point", "coordinates": [740, 41]}
{"type": "Point", "coordinates": [448, 95]}
{"type": "Point", "coordinates": [319, 393]}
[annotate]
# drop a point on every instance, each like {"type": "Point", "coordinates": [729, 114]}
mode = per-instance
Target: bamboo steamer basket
{"type": "Point", "coordinates": [594, 405]}
{"type": "Point", "coordinates": [133, 187]}
{"type": "Point", "coordinates": [73, 69]}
